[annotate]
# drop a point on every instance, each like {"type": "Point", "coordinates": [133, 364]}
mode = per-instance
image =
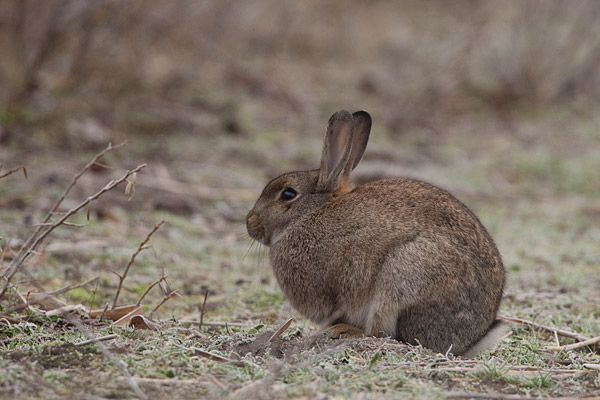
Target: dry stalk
{"type": "Point", "coordinates": [54, 293]}
{"type": "Point", "coordinates": [162, 278]}
{"type": "Point", "coordinates": [213, 357]}
{"type": "Point", "coordinates": [550, 329]}
{"type": "Point", "coordinates": [141, 247]}
{"type": "Point", "coordinates": [163, 301]}
{"type": "Point", "coordinates": [96, 340]}
{"type": "Point", "coordinates": [26, 247]}
{"type": "Point", "coordinates": [214, 324]}
{"type": "Point", "coordinates": [65, 224]}
{"type": "Point", "coordinates": [203, 309]}
{"type": "Point", "coordinates": [12, 171]}
{"type": "Point", "coordinates": [493, 396]}
{"type": "Point", "coordinates": [36, 238]}
{"type": "Point", "coordinates": [589, 342]}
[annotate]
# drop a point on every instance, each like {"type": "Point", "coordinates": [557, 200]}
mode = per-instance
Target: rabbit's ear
{"type": "Point", "coordinates": [360, 137]}
{"type": "Point", "coordinates": [336, 150]}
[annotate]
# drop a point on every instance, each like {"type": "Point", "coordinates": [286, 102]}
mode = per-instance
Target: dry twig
{"type": "Point", "coordinates": [215, 324]}
{"type": "Point", "coordinates": [12, 171]}
{"type": "Point", "coordinates": [54, 293]}
{"type": "Point", "coordinates": [164, 300]}
{"type": "Point", "coordinates": [589, 342]}
{"type": "Point", "coordinates": [550, 329]}
{"type": "Point", "coordinates": [203, 309]}
{"type": "Point", "coordinates": [213, 357]}
{"type": "Point", "coordinates": [141, 247]}
{"type": "Point", "coordinates": [502, 396]}
{"type": "Point", "coordinates": [162, 278]}
{"type": "Point", "coordinates": [98, 339]}
{"type": "Point", "coordinates": [34, 240]}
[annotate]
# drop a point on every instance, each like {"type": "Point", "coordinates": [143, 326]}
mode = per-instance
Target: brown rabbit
{"type": "Point", "coordinates": [394, 257]}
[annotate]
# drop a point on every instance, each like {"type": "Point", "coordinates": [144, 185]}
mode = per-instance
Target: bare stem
{"type": "Point", "coordinates": [65, 289]}
{"type": "Point", "coordinates": [35, 239]}
{"type": "Point", "coordinates": [164, 300]}
{"type": "Point", "coordinates": [162, 278]}
{"type": "Point", "coordinates": [203, 309]}
{"type": "Point", "coordinates": [12, 171]}
{"type": "Point", "coordinates": [550, 329]}
{"type": "Point", "coordinates": [141, 247]}
{"type": "Point", "coordinates": [589, 342]}
{"type": "Point", "coordinates": [26, 247]}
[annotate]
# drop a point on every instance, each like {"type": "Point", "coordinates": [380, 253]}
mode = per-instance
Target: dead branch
{"type": "Point", "coordinates": [589, 342]}
{"type": "Point", "coordinates": [12, 171]}
{"type": "Point", "coordinates": [65, 224]}
{"type": "Point", "coordinates": [550, 329]}
{"type": "Point", "coordinates": [141, 247]}
{"type": "Point", "coordinates": [213, 357]}
{"type": "Point", "coordinates": [164, 300]}
{"type": "Point", "coordinates": [26, 247]}
{"type": "Point", "coordinates": [73, 286]}
{"type": "Point", "coordinates": [216, 324]}
{"type": "Point", "coordinates": [502, 396]}
{"type": "Point", "coordinates": [96, 340]}
{"type": "Point", "coordinates": [203, 309]}
{"type": "Point", "coordinates": [54, 293]}
{"type": "Point", "coordinates": [162, 278]}
{"type": "Point", "coordinates": [34, 240]}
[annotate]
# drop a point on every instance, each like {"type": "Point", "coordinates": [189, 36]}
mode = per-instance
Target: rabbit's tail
{"type": "Point", "coordinates": [498, 331]}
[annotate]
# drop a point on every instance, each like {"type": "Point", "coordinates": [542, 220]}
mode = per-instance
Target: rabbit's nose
{"type": "Point", "coordinates": [254, 227]}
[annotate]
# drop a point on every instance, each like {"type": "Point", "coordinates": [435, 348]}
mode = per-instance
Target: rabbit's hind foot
{"type": "Point", "coordinates": [345, 331]}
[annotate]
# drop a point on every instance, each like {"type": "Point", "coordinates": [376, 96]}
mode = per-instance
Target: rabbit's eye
{"type": "Point", "coordinates": [288, 194]}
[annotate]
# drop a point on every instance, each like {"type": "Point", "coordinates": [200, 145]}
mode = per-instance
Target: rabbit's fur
{"type": "Point", "coordinates": [394, 257]}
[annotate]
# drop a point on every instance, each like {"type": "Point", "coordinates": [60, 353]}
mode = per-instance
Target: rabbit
{"type": "Point", "coordinates": [396, 258]}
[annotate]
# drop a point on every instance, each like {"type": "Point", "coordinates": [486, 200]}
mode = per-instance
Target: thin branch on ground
{"type": "Point", "coordinates": [203, 309]}
{"type": "Point", "coordinates": [163, 301]}
{"type": "Point", "coordinates": [215, 324]}
{"type": "Point", "coordinates": [12, 171]}
{"type": "Point", "coordinates": [54, 293]}
{"type": "Point", "coordinates": [64, 223]}
{"type": "Point", "coordinates": [213, 357]}
{"type": "Point", "coordinates": [54, 209]}
{"type": "Point", "coordinates": [34, 240]}
{"type": "Point", "coordinates": [141, 247]}
{"type": "Point", "coordinates": [502, 396]}
{"type": "Point", "coordinates": [550, 329]}
{"type": "Point", "coordinates": [162, 278]}
{"type": "Point", "coordinates": [73, 286]}
{"type": "Point", "coordinates": [98, 339]}
{"type": "Point", "coordinates": [589, 342]}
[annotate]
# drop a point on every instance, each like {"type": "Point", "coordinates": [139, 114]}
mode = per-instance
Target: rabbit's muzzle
{"type": "Point", "coordinates": [254, 227]}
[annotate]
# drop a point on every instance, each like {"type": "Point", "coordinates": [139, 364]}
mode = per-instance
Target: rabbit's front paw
{"type": "Point", "coordinates": [345, 331]}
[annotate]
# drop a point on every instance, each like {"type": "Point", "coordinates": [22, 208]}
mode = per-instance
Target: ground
{"type": "Point", "coordinates": [215, 115]}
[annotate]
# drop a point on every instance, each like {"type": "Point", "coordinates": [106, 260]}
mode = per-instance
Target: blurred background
{"type": "Point", "coordinates": [497, 102]}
